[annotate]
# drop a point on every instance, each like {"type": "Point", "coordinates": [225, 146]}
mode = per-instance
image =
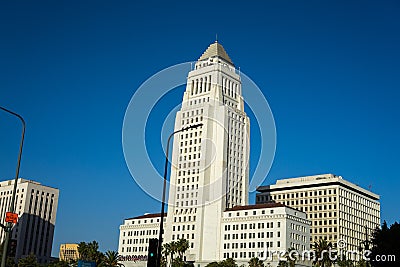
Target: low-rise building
{"type": "Point", "coordinates": [265, 231]}
{"type": "Point", "coordinates": [69, 252]}
{"type": "Point", "coordinates": [134, 238]}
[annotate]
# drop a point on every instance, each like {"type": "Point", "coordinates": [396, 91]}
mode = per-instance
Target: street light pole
{"type": "Point", "coordinates": [164, 189]}
{"type": "Point", "coordinates": [8, 228]}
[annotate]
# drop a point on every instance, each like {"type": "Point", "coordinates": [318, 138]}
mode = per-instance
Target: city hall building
{"type": "Point", "coordinates": [208, 193]}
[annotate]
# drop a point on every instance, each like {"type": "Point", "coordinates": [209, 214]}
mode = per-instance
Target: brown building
{"type": "Point", "coordinates": [68, 252]}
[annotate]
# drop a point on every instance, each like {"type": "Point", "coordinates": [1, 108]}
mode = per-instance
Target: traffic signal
{"type": "Point", "coordinates": [152, 252]}
{"type": "Point", "coordinates": [12, 247]}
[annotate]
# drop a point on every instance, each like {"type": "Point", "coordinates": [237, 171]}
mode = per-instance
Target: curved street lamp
{"type": "Point", "coordinates": [8, 227]}
{"type": "Point", "coordinates": [159, 246]}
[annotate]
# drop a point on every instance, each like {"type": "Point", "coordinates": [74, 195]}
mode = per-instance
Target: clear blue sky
{"type": "Point", "coordinates": [329, 69]}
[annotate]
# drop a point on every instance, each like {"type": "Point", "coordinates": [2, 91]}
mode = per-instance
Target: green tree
{"type": "Point", "coordinates": [111, 259]}
{"type": "Point", "coordinates": [58, 264]}
{"type": "Point", "coordinates": [322, 248]}
{"type": "Point", "coordinates": [10, 262]}
{"type": "Point", "coordinates": [182, 245]}
{"type": "Point", "coordinates": [171, 249]}
{"type": "Point", "coordinates": [174, 247]}
{"type": "Point", "coordinates": [255, 262]}
{"type": "Point", "coordinates": [229, 262]}
{"type": "Point", "coordinates": [166, 251]}
{"type": "Point", "coordinates": [29, 261]}
{"type": "Point", "coordinates": [385, 242]}
{"type": "Point", "coordinates": [213, 264]}
{"type": "Point", "coordinates": [90, 252]}
{"type": "Point", "coordinates": [178, 262]}
{"type": "Point", "coordinates": [283, 263]}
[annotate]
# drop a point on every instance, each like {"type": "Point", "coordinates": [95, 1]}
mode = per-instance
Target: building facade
{"type": "Point", "coordinates": [337, 209]}
{"type": "Point", "coordinates": [36, 206]}
{"type": "Point", "coordinates": [209, 170]}
{"type": "Point", "coordinates": [68, 252]}
{"type": "Point", "coordinates": [134, 236]}
{"type": "Point", "coordinates": [265, 231]}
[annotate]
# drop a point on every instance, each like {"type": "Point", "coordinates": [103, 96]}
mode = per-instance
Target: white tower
{"type": "Point", "coordinates": [210, 171]}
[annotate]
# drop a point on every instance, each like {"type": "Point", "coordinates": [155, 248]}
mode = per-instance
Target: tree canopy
{"type": "Point", "coordinates": [385, 243]}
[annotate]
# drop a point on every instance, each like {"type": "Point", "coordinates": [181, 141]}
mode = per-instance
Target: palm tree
{"type": "Point", "coordinates": [90, 252]}
{"type": "Point", "coordinates": [166, 251]}
{"type": "Point", "coordinates": [182, 246]}
{"type": "Point", "coordinates": [255, 262]}
{"type": "Point", "coordinates": [111, 259]}
{"type": "Point", "coordinates": [322, 248]}
{"type": "Point", "coordinates": [173, 250]}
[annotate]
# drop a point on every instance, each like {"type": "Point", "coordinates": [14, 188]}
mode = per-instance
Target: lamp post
{"type": "Point", "coordinates": [163, 194]}
{"type": "Point", "coordinates": [8, 227]}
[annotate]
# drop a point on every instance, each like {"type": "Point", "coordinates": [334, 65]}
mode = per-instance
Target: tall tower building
{"type": "Point", "coordinates": [209, 172]}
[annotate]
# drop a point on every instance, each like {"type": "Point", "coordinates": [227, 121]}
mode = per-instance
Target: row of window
{"type": "Point", "coordinates": [230, 88]}
{"type": "Point", "coordinates": [186, 211]}
{"type": "Point", "coordinates": [140, 233]}
{"type": "Point", "coordinates": [146, 221]}
{"type": "Point", "coordinates": [184, 227]}
{"type": "Point", "coordinates": [251, 235]}
{"type": "Point", "coordinates": [245, 226]}
{"type": "Point", "coordinates": [324, 222]}
{"type": "Point", "coordinates": [183, 218]}
{"type": "Point", "coordinates": [191, 113]}
{"type": "Point", "coordinates": [199, 101]}
{"type": "Point", "coordinates": [254, 212]}
{"type": "Point", "coordinates": [200, 85]}
{"type": "Point", "coordinates": [242, 245]}
{"type": "Point", "coordinates": [324, 230]}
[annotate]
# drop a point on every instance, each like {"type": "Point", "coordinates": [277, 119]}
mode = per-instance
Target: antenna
{"type": "Point", "coordinates": [216, 37]}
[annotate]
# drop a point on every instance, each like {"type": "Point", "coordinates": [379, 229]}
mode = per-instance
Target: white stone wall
{"type": "Point", "coordinates": [135, 233]}
{"type": "Point", "coordinates": [258, 232]}
{"type": "Point", "coordinates": [209, 164]}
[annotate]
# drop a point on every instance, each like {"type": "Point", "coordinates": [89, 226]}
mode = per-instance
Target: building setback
{"type": "Point", "coordinates": [36, 206]}
{"type": "Point", "coordinates": [337, 209]}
